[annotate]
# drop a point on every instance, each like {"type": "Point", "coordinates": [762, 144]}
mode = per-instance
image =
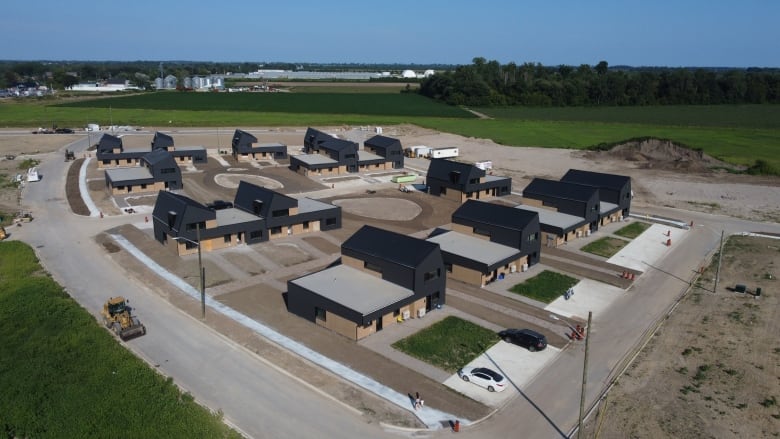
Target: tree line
{"type": "Point", "coordinates": [488, 83]}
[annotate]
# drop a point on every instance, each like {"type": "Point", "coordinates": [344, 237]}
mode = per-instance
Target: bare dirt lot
{"type": "Point", "coordinates": [713, 369]}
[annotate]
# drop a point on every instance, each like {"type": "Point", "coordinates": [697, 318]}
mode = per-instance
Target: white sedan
{"type": "Point", "coordinates": [484, 377]}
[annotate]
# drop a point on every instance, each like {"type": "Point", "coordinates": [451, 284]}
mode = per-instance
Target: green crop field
{"type": "Point", "coordinates": [738, 134]}
{"type": "Point", "coordinates": [64, 376]}
{"type": "Point", "coordinates": [723, 116]}
{"type": "Point", "coordinates": [378, 104]}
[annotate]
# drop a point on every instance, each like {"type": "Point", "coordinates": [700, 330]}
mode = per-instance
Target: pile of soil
{"type": "Point", "coordinates": [661, 154]}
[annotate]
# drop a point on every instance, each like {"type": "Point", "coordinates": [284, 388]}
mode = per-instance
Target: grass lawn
{"type": "Point", "coordinates": [606, 246]}
{"type": "Point", "coordinates": [633, 230]}
{"type": "Point", "coordinates": [545, 286]}
{"type": "Point", "coordinates": [63, 375]}
{"type": "Point", "coordinates": [449, 344]}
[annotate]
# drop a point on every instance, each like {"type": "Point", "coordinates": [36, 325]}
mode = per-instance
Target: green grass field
{"type": "Point", "coordinates": [63, 376]}
{"type": "Point", "coordinates": [372, 104]}
{"type": "Point", "coordinates": [545, 286]}
{"type": "Point", "coordinates": [632, 230]}
{"type": "Point", "coordinates": [605, 247]}
{"type": "Point", "coordinates": [738, 134]}
{"type": "Point", "coordinates": [449, 344]}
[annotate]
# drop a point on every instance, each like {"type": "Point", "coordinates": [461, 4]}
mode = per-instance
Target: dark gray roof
{"type": "Point", "coordinates": [381, 141]}
{"type": "Point", "coordinates": [441, 169]}
{"type": "Point", "coordinates": [494, 214]}
{"type": "Point", "coordinates": [559, 189]}
{"type": "Point", "coordinates": [161, 140]}
{"type": "Point", "coordinates": [247, 194]}
{"type": "Point", "coordinates": [160, 157]}
{"type": "Point", "coordinates": [242, 138]}
{"type": "Point", "coordinates": [108, 142]}
{"type": "Point", "coordinates": [611, 181]}
{"type": "Point", "coordinates": [390, 246]}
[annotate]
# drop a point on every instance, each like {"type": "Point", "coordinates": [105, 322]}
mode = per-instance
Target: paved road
{"type": "Point", "coordinates": [262, 401]}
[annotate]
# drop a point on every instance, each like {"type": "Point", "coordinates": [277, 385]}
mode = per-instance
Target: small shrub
{"type": "Point", "coordinates": [769, 402]}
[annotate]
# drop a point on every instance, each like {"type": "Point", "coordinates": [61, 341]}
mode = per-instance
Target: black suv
{"type": "Point", "coordinates": [527, 338]}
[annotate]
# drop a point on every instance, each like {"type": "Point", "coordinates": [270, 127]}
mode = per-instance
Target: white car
{"type": "Point", "coordinates": [484, 377]}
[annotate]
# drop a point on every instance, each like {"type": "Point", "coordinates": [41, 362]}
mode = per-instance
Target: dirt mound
{"type": "Point", "coordinates": [661, 154]}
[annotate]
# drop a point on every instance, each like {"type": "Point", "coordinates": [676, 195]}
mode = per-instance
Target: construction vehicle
{"type": "Point", "coordinates": [69, 155]}
{"type": "Point", "coordinates": [118, 317]}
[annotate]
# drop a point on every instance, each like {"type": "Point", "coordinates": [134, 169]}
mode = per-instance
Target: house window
{"type": "Point", "coordinates": [255, 234]}
{"type": "Point", "coordinates": [143, 186]}
{"type": "Point", "coordinates": [305, 225]}
{"type": "Point", "coordinates": [330, 221]}
{"type": "Point", "coordinates": [189, 245]}
{"type": "Point", "coordinates": [167, 170]}
{"type": "Point", "coordinates": [228, 239]}
{"type": "Point", "coordinates": [454, 176]}
{"type": "Point", "coordinates": [474, 181]}
{"type": "Point", "coordinates": [478, 231]}
{"type": "Point", "coordinates": [257, 207]}
{"type": "Point", "coordinates": [194, 226]}
{"type": "Point", "coordinates": [396, 313]}
{"type": "Point", "coordinates": [533, 237]}
{"type": "Point", "coordinates": [448, 267]}
{"type": "Point", "coordinates": [276, 230]}
{"type": "Point", "coordinates": [372, 267]}
{"type": "Point", "coordinates": [106, 162]}
{"type": "Point", "coordinates": [431, 275]}
{"type": "Point", "coordinates": [280, 212]}
{"type": "Point", "coordinates": [319, 313]}
{"type": "Point", "coordinates": [349, 156]}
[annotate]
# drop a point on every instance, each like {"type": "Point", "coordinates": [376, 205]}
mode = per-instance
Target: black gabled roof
{"type": "Point", "coordinates": [610, 181]}
{"type": "Point", "coordinates": [390, 246]}
{"type": "Point", "coordinates": [108, 142]}
{"type": "Point", "coordinates": [247, 193]}
{"type": "Point", "coordinates": [338, 144]}
{"type": "Point", "coordinates": [183, 207]}
{"type": "Point", "coordinates": [380, 141]}
{"type": "Point", "coordinates": [159, 157]}
{"type": "Point", "coordinates": [314, 136]}
{"type": "Point", "coordinates": [494, 214]}
{"type": "Point", "coordinates": [440, 169]}
{"type": "Point", "coordinates": [560, 189]}
{"type": "Point", "coordinates": [242, 138]}
{"type": "Point", "coordinates": [161, 140]}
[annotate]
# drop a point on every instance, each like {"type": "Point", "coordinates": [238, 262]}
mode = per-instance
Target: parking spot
{"type": "Point", "coordinates": [589, 295]}
{"type": "Point", "coordinates": [517, 364]}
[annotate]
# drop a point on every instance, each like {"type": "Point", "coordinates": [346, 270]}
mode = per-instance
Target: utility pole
{"type": "Point", "coordinates": [720, 256]}
{"type": "Point", "coordinates": [202, 272]}
{"type": "Point", "coordinates": [584, 374]}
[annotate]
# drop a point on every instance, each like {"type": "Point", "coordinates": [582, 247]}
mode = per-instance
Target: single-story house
{"type": "Point", "coordinates": [384, 278]}
{"type": "Point", "coordinates": [570, 198]}
{"type": "Point", "coordinates": [244, 148]}
{"type": "Point", "coordinates": [459, 181]}
{"type": "Point", "coordinates": [158, 171]}
{"type": "Point", "coordinates": [112, 154]}
{"type": "Point", "coordinates": [614, 189]}
{"type": "Point", "coordinates": [387, 147]}
{"type": "Point", "coordinates": [557, 228]}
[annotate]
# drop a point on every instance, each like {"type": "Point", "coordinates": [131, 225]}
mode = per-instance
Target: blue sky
{"type": "Point", "coordinates": [628, 32]}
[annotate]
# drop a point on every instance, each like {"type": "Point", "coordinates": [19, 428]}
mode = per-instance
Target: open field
{"type": "Point", "coordinates": [371, 104]}
{"type": "Point", "coordinates": [63, 375]}
{"type": "Point", "coordinates": [735, 134]}
{"type": "Point", "coordinates": [733, 116]}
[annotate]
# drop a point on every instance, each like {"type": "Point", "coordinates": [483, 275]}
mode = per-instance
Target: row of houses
{"type": "Point", "coordinates": [324, 154]}
{"type": "Point", "coordinates": [258, 215]}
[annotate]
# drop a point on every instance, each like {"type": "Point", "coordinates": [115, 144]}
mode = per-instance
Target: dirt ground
{"type": "Point", "coordinates": [710, 372]}
{"type": "Point", "coordinates": [713, 369]}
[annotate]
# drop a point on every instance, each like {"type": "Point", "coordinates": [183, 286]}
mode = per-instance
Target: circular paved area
{"type": "Point", "coordinates": [393, 209]}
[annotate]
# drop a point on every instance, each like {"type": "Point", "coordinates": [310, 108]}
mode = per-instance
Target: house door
{"type": "Point", "coordinates": [379, 324]}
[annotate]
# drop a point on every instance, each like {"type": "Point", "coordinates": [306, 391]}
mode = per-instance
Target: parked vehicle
{"type": "Point", "coordinates": [527, 338]}
{"type": "Point", "coordinates": [484, 377]}
{"type": "Point", "coordinates": [118, 317]}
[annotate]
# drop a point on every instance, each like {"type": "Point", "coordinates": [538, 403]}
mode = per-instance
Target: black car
{"type": "Point", "coordinates": [219, 205]}
{"type": "Point", "coordinates": [527, 338]}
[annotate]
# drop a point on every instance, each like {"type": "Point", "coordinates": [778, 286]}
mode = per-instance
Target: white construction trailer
{"type": "Point", "coordinates": [443, 153]}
